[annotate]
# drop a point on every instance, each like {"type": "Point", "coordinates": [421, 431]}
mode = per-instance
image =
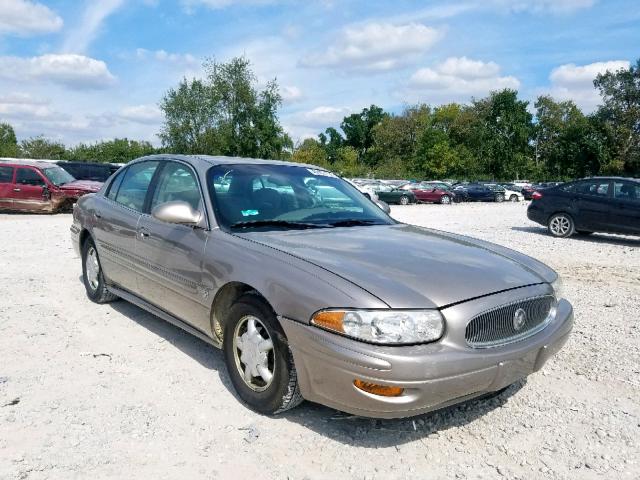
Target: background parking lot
{"type": "Point", "coordinates": [104, 391]}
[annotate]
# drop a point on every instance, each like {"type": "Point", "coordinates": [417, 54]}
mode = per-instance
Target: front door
{"type": "Point", "coordinates": [116, 223]}
{"type": "Point", "coordinates": [30, 191]}
{"type": "Point", "coordinates": [171, 273]}
{"type": "Point", "coordinates": [6, 187]}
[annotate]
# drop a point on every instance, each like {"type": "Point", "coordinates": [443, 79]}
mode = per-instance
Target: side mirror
{"type": "Point", "coordinates": [178, 212]}
{"type": "Point", "coordinates": [384, 206]}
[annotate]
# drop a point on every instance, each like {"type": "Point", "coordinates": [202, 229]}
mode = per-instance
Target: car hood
{"type": "Point", "coordinates": [83, 185]}
{"type": "Point", "coordinates": [407, 266]}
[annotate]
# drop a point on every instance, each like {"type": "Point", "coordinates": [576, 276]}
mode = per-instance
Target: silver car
{"type": "Point", "coordinates": [312, 291]}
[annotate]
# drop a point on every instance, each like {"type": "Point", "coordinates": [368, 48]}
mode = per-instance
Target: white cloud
{"type": "Point", "coordinates": [575, 82]}
{"type": "Point", "coordinates": [24, 18]}
{"type": "Point", "coordinates": [96, 12]}
{"type": "Point", "coordinates": [22, 106]}
{"type": "Point", "coordinates": [291, 94]}
{"type": "Point", "coordinates": [375, 46]}
{"type": "Point", "coordinates": [321, 117]}
{"type": "Point", "coordinates": [542, 6]}
{"type": "Point", "coordinates": [74, 71]}
{"type": "Point", "coordinates": [146, 114]}
{"type": "Point", "coordinates": [164, 56]}
{"type": "Point", "coordinates": [461, 77]}
{"type": "Point", "coordinates": [219, 4]}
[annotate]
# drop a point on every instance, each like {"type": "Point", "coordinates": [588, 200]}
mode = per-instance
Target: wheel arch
{"type": "Point", "coordinates": [225, 297]}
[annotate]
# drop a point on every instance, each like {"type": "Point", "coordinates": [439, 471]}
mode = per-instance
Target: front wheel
{"type": "Point", "coordinates": [404, 200]}
{"type": "Point", "coordinates": [445, 200]}
{"type": "Point", "coordinates": [514, 198]}
{"type": "Point", "coordinates": [499, 198]}
{"type": "Point", "coordinates": [92, 275]}
{"type": "Point", "coordinates": [258, 358]}
{"type": "Point", "coordinates": [561, 225]}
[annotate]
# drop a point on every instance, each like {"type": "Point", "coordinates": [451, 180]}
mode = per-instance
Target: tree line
{"type": "Point", "coordinates": [500, 136]}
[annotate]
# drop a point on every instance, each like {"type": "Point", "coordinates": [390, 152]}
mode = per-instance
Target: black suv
{"type": "Point", "coordinates": [600, 204]}
{"type": "Point", "coordinates": [98, 172]}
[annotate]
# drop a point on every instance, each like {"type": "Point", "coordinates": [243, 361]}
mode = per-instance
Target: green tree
{"type": "Point", "coordinates": [225, 114]}
{"type": "Point", "coordinates": [347, 163]}
{"type": "Point", "coordinates": [358, 129]}
{"type": "Point", "coordinates": [331, 141]}
{"type": "Point", "coordinates": [119, 150]}
{"type": "Point", "coordinates": [311, 152]}
{"type": "Point", "coordinates": [620, 117]}
{"type": "Point", "coordinates": [8, 141]}
{"type": "Point", "coordinates": [42, 148]}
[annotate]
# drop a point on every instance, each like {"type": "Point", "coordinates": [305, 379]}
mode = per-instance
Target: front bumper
{"type": "Point", "coordinates": [433, 375]}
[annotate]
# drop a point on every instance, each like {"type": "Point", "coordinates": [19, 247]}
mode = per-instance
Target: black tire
{"type": "Point", "coordinates": [404, 200]}
{"type": "Point", "coordinates": [96, 287]}
{"type": "Point", "coordinates": [282, 392]}
{"type": "Point", "coordinates": [500, 198]}
{"type": "Point", "coordinates": [445, 200]}
{"type": "Point", "coordinates": [561, 225]}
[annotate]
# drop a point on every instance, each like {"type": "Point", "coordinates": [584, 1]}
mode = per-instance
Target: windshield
{"type": "Point", "coordinates": [281, 196]}
{"type": "Point", "coordinates": [58, 176]}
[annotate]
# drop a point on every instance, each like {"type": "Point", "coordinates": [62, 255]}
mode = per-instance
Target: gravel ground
{"type": "Point", "coordinates": [110, 391]}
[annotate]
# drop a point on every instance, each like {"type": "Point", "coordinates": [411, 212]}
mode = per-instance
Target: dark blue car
{"type": "Point", "coordinates": [601, 204]}
{"type": "Point", "coordinates": [475, 192]}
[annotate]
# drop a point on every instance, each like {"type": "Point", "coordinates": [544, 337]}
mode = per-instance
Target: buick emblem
{"type": "Point", "coordinates": [519, 319]}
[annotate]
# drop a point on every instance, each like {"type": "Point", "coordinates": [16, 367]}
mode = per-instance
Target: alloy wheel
{"type": "Point", "coordinates": [404, 200]}
{"type": "Point", "coordinates": [560, 225]}
{"type": "Point", "coordinates": [445, 200]}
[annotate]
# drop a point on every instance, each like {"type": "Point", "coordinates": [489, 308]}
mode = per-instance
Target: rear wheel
{"type": "Point", "coordinates": [445, 200]}
{"type": "Point", "coordinates": [514, 198]}
{"type": "Point", "coordinates": [561, 225]}
{"type": "Point", "coordinates": [500, 198]}
{"type": "Point", "coordinates": [258, 358]}
{"type": "Point", "coordinates": [92, 275]}
{"type": "Point", "coordinates": [404, 200]}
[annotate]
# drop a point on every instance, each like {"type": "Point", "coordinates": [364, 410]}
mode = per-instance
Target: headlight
{"type": "Point", "coordinates": [383, 326]}
{"type": "Point", "coordinates": [558, 288]}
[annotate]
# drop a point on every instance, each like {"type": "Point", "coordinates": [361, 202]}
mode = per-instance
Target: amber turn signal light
{"type": "Point", "coordinates": [331, 320]}
{"type": "Point", "coordinates": [382, 390]}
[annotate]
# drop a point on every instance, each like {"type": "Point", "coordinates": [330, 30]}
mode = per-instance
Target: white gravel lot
{"type": "Point", "coordinates": [110, 391]}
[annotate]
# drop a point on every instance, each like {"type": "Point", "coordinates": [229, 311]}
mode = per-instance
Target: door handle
{"type": "Point", "coordinates": [16, 189]}
{"type": "Point", "coordinates": [143, 233]}
{"type": "Point", "coordinates": [98, 215]}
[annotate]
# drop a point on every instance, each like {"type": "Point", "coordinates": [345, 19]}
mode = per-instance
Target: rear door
{"type": "Point", "coordinates": [171, 269]}
{"type": "Point", "coordinates": [594, 204]}
{"type": "Point", "coordinates": [626, 214]}
{"type": "Point", "coordinates": [6, 187]}
{"type": "Point", "coordinates": [30, 192]}
{"type": "Point", "coordinates": [116, 224]}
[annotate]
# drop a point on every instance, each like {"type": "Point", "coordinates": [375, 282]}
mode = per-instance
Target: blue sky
{"type": "Point", "coordinates": [81, 71]}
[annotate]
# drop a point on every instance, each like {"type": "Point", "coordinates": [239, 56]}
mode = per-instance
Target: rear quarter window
{"type": "Point", "coordinates": [6, 174]}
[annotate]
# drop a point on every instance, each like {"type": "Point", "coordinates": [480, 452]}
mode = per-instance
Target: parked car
{"type": "Point", "coordinates": [600, 204]}
{"type": "Point", "coordinates": [511, 192]}
{"type": "Point", "coordinates": [98, 172]}
{"type": "Point", "coordinates": [33, 186]}
{"type": "Point", "coordinates": [316, 301]}
{"type": "Point", "coordinates": [391, 194]}
{"type": "Point", "coordinates": [476, 192]}
{"type": "Point", "coordinates": [430, 193]}
{"type": "Point", "coordinates": [528, 191]}
{"type": "Point", "coordinates": [367, 190]}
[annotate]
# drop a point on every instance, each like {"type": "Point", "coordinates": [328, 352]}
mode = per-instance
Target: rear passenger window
{"type": "Point", "coordinates": [135, 184]}
{"type": "Point", "coordinates": [6, 174]}
{"type": "Point", "coordinates": [626, 191]}
{"type": "Point", "coordinates": [27, 176]}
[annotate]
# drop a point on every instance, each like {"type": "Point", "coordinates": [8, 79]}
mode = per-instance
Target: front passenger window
{"type": "Point", "coordinates": [134, 186]}
{"type": "Point", "coordinates": [176, 183]}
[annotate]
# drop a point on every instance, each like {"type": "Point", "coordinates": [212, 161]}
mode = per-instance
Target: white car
{"type": "Point", "coordinates": [513, 196]}
{"type": "Point", "coordinates": [367, 189]}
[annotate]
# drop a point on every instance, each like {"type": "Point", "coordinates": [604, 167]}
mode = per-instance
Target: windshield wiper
{"type": "Point", "coordinates": [355, 223]}
{"type": "Point", "coordinates": [276, 223]}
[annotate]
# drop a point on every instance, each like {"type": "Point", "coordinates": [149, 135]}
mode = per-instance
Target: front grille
{"type": "Point", "coordinates": [498, 326]}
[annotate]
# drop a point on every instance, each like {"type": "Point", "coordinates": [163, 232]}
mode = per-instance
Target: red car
{"type": "Point", "coordinates": [430, 193]}
{"type": "Point", "coordinates": [36, 186]}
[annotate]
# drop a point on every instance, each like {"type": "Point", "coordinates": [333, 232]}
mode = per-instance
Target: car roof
{"type": "Point", "coordinates": [211, 160]}
{"type": "Point", "coordinates": [28, 162]}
